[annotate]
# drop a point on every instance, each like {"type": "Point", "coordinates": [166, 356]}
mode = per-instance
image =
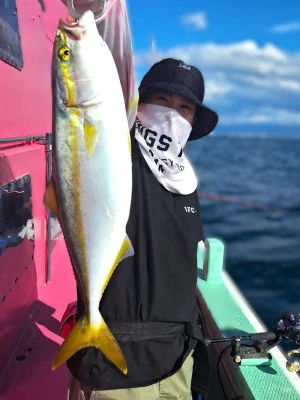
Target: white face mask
{"type": "Point", "coordinates": [162, 134]}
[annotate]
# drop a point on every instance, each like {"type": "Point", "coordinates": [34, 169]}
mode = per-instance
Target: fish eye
{"type": "Point", "coordinates": [64, 53]}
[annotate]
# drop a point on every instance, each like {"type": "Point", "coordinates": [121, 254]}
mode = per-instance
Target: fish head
{"type": "Point", "coordinates": [77, 61]}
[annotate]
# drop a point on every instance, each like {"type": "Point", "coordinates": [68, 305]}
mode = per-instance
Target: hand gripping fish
{"type": "Point", "coordinates": [91, 189]}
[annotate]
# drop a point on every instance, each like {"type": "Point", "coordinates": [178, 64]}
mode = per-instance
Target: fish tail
{"type": "Point", "coordinates": [85, 334]}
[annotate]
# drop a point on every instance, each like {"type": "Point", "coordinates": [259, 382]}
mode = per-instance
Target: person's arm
{"type": "Point", "coordinates": [113, 26]}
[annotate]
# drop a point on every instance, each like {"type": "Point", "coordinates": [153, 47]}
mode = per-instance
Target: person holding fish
{"type": "Point", "coordinates": [131, 227]}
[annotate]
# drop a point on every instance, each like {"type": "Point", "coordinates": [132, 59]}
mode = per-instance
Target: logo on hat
{"type": "Point", "coordinates": [184, 66]}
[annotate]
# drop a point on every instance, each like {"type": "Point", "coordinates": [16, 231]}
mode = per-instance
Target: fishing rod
{"type": "Point", "coordinates": [235, 200]}
{"type": "Point", "coordinates": [256, 353]}
{"type": "Point", "coordinates": [241, 202]}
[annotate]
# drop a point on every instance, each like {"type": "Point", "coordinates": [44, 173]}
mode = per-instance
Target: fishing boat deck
{"type": "Point", "coordinates": [28, 373]}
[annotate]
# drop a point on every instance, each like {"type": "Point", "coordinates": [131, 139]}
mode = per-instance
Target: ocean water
{"type": "Point", "coordinates": [249, 191]}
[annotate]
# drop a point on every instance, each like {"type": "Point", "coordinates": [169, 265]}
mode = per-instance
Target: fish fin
{"type": "Point", "coordinates": [125, 251]}
{"type": "Point", "coordinates": [90, 136]}
{"type": "Point", "coordinates": [129, 142]}
{"type": "Point", "coordinates": [85, 334]}
{"type": "Point", "coordinates": [50, 199]}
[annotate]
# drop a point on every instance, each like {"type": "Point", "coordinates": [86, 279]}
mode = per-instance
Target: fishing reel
{"type": "Point", "coordinates": [289, 327]}
{"type": "Point", "coordinates": [256, 352]}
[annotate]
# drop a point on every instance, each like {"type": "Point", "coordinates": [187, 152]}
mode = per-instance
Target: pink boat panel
{"type": "Point", "coordinates": [28, 374]}
{"type": "Point", "coordinates": [30, 308]}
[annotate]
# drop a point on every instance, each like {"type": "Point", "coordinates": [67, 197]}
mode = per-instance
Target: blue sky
{"type": "Point", "coordinates": [248, 52]}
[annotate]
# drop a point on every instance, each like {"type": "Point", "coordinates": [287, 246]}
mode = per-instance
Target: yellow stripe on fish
{"type": "Point", "coordinates": [65, 56]}
{"type": "Point", "coordinates": [74, 146]}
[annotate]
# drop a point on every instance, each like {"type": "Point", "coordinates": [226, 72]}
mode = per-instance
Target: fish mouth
{"type": "Point", "coordinates": [72, 29]}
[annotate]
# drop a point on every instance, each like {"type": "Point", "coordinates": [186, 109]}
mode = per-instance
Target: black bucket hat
{"type": "Point", "coordinates": [176, 77]}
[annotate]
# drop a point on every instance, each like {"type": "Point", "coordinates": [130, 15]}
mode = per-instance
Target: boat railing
{"type": "Point", "coordinates": [241, 349]}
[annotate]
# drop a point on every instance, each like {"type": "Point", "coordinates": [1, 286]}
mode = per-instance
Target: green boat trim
{"type": "Point", "coordinates": [226, 312]}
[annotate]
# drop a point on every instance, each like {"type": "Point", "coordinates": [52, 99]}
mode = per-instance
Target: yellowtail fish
{"type": "Point", "coordinates": [91, 189]}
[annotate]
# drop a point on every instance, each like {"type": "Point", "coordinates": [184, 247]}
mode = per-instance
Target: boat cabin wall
{"type": "Point", "coordinates": [25, 110]}
{"type": "Point", "coordinates": [25, 106]}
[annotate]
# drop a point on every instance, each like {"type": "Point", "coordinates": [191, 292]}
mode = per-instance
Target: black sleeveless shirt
{"type": "Point", "coordinates": [157, 284]}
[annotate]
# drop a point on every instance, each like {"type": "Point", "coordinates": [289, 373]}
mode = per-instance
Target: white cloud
{"type": "Point", "coordinates": [196, 20]}
{"type": "Point", "coordinates": [217, 87]}
{"type": "Point", "coordinates": [293, 26]}
{"type": "Point", "coordinates": [245, 83]}
{"type": "Point", "coordinates": [266, 115]}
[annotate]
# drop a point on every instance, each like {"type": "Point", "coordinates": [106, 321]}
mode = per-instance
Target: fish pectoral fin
{"type": "Point", "coordinates": [83, 335]}
{"type": "Point", "coordinates": [50, 199]}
